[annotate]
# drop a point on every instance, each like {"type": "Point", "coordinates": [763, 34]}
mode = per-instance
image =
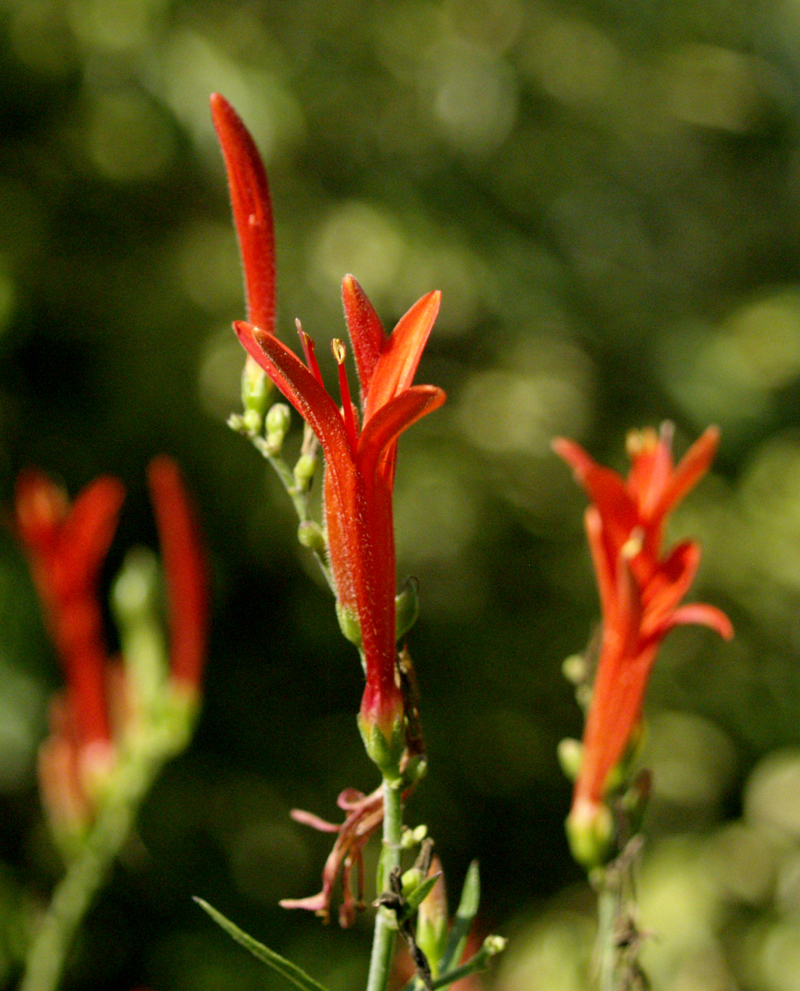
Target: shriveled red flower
{"type": "Point", "coordinates": [363, 820]}
{"type": "Point", "coordinates": [359, 459]}
{"type": "Point", "coordinates": [640, 591]}
{"type": "Point", "coordinates": [66, 546]}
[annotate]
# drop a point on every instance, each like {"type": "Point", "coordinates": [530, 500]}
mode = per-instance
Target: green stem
{"type": "Point", "coordinates": [607, 910]}
{"type": "Point", "coordinates": [86, 873]}
{"type": "Point", "coordinates": [385, 928]}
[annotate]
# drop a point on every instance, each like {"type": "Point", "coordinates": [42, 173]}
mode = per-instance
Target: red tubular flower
{"type": "Point", "coordinates": [66, 547]}
{"type": "Point", "coordinates": [186, 573]}
{"type": "Point", "coordinates": [640, 590]}
{"type": "Point", "coordinates": [359, 461]}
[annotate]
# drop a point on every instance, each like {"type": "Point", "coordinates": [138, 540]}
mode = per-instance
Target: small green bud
{"type": "Point", "coordinates": [134, 601]}
{"type": "Point", "coordinates": [413, 837]}
{"type": "Point", "coordinates": [591, 835]}
{"type": "Point", "coordinates": [386, 754]}
{"type": "Point", "coordinates": [575, 669]}
{"type": "Point", "coordinates": [493, 945]}
{"type": "Point", "coordinates": [251, 422]}
{"type": "Point", "coordinates": [349, 624]}
{"type": "Point", "coordinates": [406, 605]}
{"type": "Point", "coordinates": [256, 389]}
{"type": "Point", "coordinates": [279, 419]}
{"type": "Point", "coordinates": [304, 471]}
{"type": "Point", "coordinates": [570, 755]}
{"type": "Point", "coordinates": [312, 536]}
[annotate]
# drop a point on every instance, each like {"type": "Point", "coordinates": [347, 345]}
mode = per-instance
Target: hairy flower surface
{"type": "Point", "coordinates": [360, 451]}
{"type": "Point", "coordinates": [641, 588]}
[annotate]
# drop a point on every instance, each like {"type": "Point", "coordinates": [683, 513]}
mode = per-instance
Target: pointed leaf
{"type": "Point", "coordinates": [294, 974]}
{"type": "Point", "coordinates": [467, 910]}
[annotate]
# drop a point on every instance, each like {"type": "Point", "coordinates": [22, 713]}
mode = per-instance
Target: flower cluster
{"type": "Point", "coordinates": [360, 446]}
{"type": "Point", "coordinates": [66, 546]}
{"type": "Point", "coordinates": [640, 593]}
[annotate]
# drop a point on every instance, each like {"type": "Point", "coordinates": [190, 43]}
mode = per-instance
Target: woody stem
{"type": "Point", "coordinates": [385, 927]}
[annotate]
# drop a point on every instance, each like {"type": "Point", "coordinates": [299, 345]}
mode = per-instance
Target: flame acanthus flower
{"type": "Point", "coordinates": [360, 457]}
{"type": "Point", "coordinates": [640, 586]}
{"type": "Point", "coordinates": [66, 546]}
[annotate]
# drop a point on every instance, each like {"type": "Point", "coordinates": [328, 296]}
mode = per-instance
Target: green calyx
{"type": "Point", "coordinates": [384, 752]}
{"type": "Point", "coordinates": [349, 624]}
{"type": "Point", "coordinates": [406, 606]}
{"type": "Point", "coordinates": [591, 836]}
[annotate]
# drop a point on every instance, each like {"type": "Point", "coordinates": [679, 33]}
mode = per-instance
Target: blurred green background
{"type": "Point", "coordinates": [608, 195]}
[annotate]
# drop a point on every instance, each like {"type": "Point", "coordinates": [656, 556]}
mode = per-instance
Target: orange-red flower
{"type": "Point", "coordinates": [66, 546]}
{"type": "Point", "coordinates": [359, 458]}
{"type": "Point", "coordinates": [640, 589]}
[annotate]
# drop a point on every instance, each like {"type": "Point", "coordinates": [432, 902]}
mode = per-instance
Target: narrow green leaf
{"type": "Point", "coordinates": [296, 975]}
{"type": "Point", "coordinates": [418, 895]}
{"type": "Point", "coordinates": [467, 910]}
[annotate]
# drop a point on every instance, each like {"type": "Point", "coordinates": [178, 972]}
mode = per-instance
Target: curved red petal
{"type": "Point", "coordinates": [700, 614]}
{"type": "Point", "coordinates": [185, 569]}
{"type": "Point", "coordinates": [397, 365]}
{"type": "Point", "coordinates": [366, 332]}
{"type": "Point", "coordinates": [252, 211]}
{"type": "Point", "coordinates": [694, 464]}
{"type": "Point", "coordinates": [300, 387]}
{"type": "Point", "coordinates": [394, 417]}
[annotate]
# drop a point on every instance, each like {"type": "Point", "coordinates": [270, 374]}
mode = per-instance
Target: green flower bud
{"type": "Point", "coordinates": [279, 419]}
{"type": "Point", "coordinates": [406, 605]}
{"type": "Point", "coordinates": [134, 601]}
{"type": "Point", "coordinates": [591, 835]}
{"type": "Point", "coordinates": [575, 669]}
{"type": "Point", "coordinates": [304, 471]}
{"type": "Point", "coordinates": [570, 755]}
{"type": "Point", "coordinates": [256, 389]}
{"type": "Point", "coordinates": [311, 535]}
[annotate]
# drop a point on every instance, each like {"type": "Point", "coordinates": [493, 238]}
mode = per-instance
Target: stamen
{"type": "Point", "coordinates": [633, 544]}
{"type": "Point", "coordinates": [308, 351]}
{"type": "Point", "coordinates": [339, 353]}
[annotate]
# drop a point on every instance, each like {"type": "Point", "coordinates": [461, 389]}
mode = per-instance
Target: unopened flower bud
{"type": "Point", "coordinates": [570, 755]}
{"type": "Point", "coordinates": [432, 928]}
{"type": "Point", "coordinates": [590, 831]}
{"type": "Point", "coordinates": [406, 605]}
{"type": "Point", "coordinates": [575, 669]}
{"type": "Point", "coordinates": [311, 535]}
{"type": "Point", "coordinates": [250, 423]}
{"type": "Point", "coordinates": [256, 389]}
{"type": "Point", "coordinates": [134, 596]}
{"type": "Point", "coordinates": [279, 419]}
{"type": "Point", "coordinates": [304, 471]}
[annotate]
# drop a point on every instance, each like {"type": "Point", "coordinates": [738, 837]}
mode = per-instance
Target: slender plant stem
{"type": "Point", "coordinates": [607, 955]}
{"type": "Point", "coordinates": [85, 875]}
{"type": "Point", "coordinates": [383, 940]}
